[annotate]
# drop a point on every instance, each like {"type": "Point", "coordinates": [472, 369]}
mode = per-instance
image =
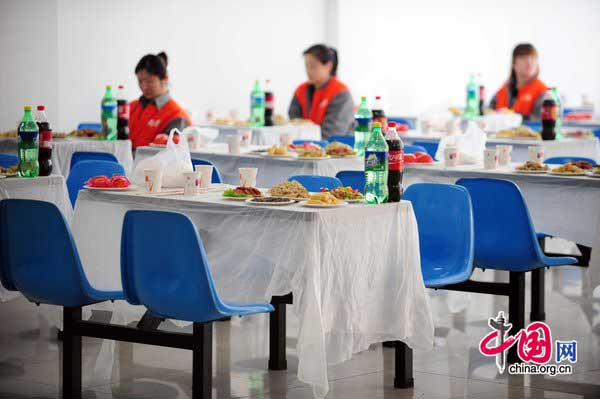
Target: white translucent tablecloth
{"type": "Point", "coordinates": [271, 170]}
{"type": "Point", "coordinates": [50, 188]}
{"type": "Point", "coordinates": [8, 145]}
{"type": "Point", "coordinates": [269, 135]}
{"type": "Point", "coordinates": [354, 271]}
{"type": "Point", "coordinates": [562, 206]}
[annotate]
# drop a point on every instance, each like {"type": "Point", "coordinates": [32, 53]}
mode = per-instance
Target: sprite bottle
{"type": "Point", "coordinates": [472, 108]}
{"type": "Point", "coordinates": [28, 146]}
{"type": "Point", "coordinates": [561, 112]}
{"type": "Point", "coordinates": [257, 106]}
{"type": "Point", "coordinates": [376, 167]}
{"type": "Point", "coordinates": [108, 116]}
{"type": "Point", "coordinates": [363, 127]}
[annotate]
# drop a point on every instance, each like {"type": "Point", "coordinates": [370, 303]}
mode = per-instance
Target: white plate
{"type": "Point", "coordinates": [342, 203]}
{"type": "Point", "coordinates": [313, 158]}
{"type": "Point", "coordinates": [354, 201]}
{"type": "Point", "coordinates": [289, 202]}
{"type": "Point", "coordinates": [532, 172]}
{"type": "Point", "coordinates": [132, 187]}
{"type": "Point", "coordinates": [592, 174]}
{"type": "Point", "coordinates": [343, 156]}
{"type": "Point", "coordinates": [237, 198]}
{"type": "Point", "coordinates": [278, 156]}
{"type": "Point", "coordinates": [567, 174]}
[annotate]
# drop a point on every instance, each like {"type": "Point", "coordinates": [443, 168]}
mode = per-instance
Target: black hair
{"type": "Point", "coordinates": [324, 54]}
{"type": "Point", "coordinates": [154, 64]}
{"type": "Point", "coordinates": [519, 50]}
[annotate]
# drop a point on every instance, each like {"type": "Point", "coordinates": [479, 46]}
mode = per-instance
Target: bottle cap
{"type": "Point", "coordinates": [108, 87]}
{"type": "Point", "coordinates": [392, 124]}
{"type": "Point", "coordinates": [377, 97]}
{"type": "Point", "coordinates": [376, 125]}
{"type": "Point", "coordinates": [41, 108]}
{"type": "Point", "coordinates": [120, 87]}
{"type": "Point", "coordinates": [363, 98]}
{"type": "Point", "coordinates": [27, 108]}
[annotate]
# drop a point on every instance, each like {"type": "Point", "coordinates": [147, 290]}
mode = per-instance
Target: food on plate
{"type": "Point", "coordinates": [280, 119]}
{"type": "Point", "coordinates": [277, 150]}
{"type": "Point", "coordinates": [402, 127]}
{"type": "Point", "coordinates": [8, 134]}
{"type": "Point", "coordinates": [117, 181]}
{"type": "Point", "coordinates": [423, 157]}
{"type": "Point", "coordinates": [596, 170]}
{"type": "Point", "coordinates": [455, 111]}
{"type": "Point", "coordinates": [11, 170]}
{"type": "Point", "coordinates": [324, 198]}
{"type": "Point", "coordinates": [521, 132]}
{"type": "Point", "coordinates": [410, 158]}
{"type": "Point", "coordinates": [306, 144]}
{"type": "Point", "coordinates": [344, 193]}
{"type": "Point", "coordinates": [242, 192]}
{"type": "Point", "coordinates": [583, 164]}
{"type": "Point", "coordinates": [579, 133]}
{"type": "Point", "coordinates": [59, 135]}
{"type": "Point", "coordinates": [531, 166]}
{"type": "Point", "coordinates": [339, 149]}
{"type": "Point", "coordinates": [89, 133]}
{"type": "Point", "coordinates": [230, 122]}
{"type": "Point", "coordinates": [312, 152]}
{"type": "Point", "coordinates": [289, 189]}
{"type": "Point", "coordinates": [569, 167]}
{"type": "Point", "coordinates": [266, 200]}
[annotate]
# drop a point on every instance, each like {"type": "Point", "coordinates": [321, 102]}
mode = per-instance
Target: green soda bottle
{"type": "Point", "coordinates": [108, 116]}
{"type": "Point", "coordinates": [376, 167]}
{"type": "Point", "coordinates": [472, 108]}
{"type": "Point", "coordinates": [561, 112]}
{"type": "Point", "coordinates": [363, 127]}
{"type": "Point", "coordinates": [28, 145]}
{"type": "Point", "coordinates": [257, 106]}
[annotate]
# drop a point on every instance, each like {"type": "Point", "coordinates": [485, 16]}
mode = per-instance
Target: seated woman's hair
{"type": "Point", "coordinates": [154, 64]}
{"type": "Point", "coordinates": [324, 54]}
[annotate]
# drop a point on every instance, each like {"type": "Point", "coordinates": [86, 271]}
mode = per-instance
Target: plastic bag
{"type": "Point", "coordinates": [470, 145]}
{"type": "Point", "coordinates": [173, 161]}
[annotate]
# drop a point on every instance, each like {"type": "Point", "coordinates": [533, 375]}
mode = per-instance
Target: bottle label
{"type": "Point", "coordinates": [376, 161]}
{"type": "Point", "coordinates": [109, 110]}
{"type": "Point", "coordinates": [123, 111]}
{"type": "Point", "coordinates": [46, 139]}
{"type": "Point", "coordinates": [364, 122]}
{"type": "Point", "coordinates": [396, 160]}
{"type": "Point", "coordinates": [549, 113]}
{"type": "Point", "coordinates": [257, 101]}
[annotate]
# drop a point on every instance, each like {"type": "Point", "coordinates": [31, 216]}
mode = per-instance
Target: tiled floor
{"type": "Point", "coordinates": [30, 361]}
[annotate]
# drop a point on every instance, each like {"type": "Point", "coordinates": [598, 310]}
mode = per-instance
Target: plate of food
{"type": "Point", "coordinates": [323, 200]}
{"type": "Point", "coordinates": [289, 189]}
{"type": "Point", "coordinates": [347, 194]}
{"type": "Point", "coordinates": [10, 171]}
{"type": "Point", "coordinates": [270, 201]}
{"type": "Point", "coordinates": [532, 167]}
{"type": "Point", "coordinates": [241, 193]}
{"type": "Point", "coordinates": [595, 172]}
{"type": "Point", "coordinates": [340, 150]}
{"type": "Point", "coordinates": [583, 164]}
{"type": "Point", "coordinates": [568, 169]}
{"type": "Point", "coordinates": [85, 133]}
{"type": "Point", "coordinates": [519, 133]}
{"type": "Point", "coordinates": [105, 183]}
{"type": "Point", "coordinates": [278, 151]}
{"type": "Point", "coordinates": [312, 153]}
{"type": "Point", "coordinates": [59, 135]}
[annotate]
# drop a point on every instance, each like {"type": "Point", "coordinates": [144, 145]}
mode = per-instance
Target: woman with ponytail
{"type": "Point", "coordinates": [155, 111]}
{"type": "Point", "coordinates": [323, 98]}
{"type": "Point", "coordinates": [524, 91]}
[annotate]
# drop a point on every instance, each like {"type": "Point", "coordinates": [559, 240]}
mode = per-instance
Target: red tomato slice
{"type": "Point", "coordinates": [410, 158]}
{"type": "Point", "coordinates": [119, 181]}
{"type": "Point", "coordinates": [99, 182]}
{"type": "Point", "coordinates": [426, 158]}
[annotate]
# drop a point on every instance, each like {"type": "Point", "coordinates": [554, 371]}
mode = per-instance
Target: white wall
{"type": "Point", "coordinates": [417, 54]}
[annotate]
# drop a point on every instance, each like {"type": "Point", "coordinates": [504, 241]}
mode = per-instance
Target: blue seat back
{"type": "Point", "coordinates": [8, 160]}
{"type": "Point", "coordinates": [349, 140]}
{"type": "Point", "coordinates": [445, 219]}
{"type": "Point", "coordinates": [90, 125]}
{"type": "Point", "coordinates": [216, 175]}
{"type": "Point", "coordinates": [39, 257]}
{"type": "Point", "coordinates": [320, 143]}
{"type": "Point", "coordinates": [84, 170]}
{"type": "Point", "coordinates": [313, 183]}
{"type": "Point", "coordinates": [430, 147]}
{"type": "Point", "coordinates": [173, 278]}
{"type": "Point", "coordinates": [411, 149]}
{"type": "Point", "coordinates": [597, 133]}
{"type": "Point", "coordinates": [92, 156]}
{"type": "Point", "coordinates": [504, 234]}
{"type": "Point", "coordinates": [537, 126]}
{"type": "Point", "coordinates": [352, 178]}
{"type": "Point", "coordinates": [563, 160]}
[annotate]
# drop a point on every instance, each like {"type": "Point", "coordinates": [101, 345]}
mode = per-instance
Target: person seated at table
{"type": "Point", "coordinates": [524, 91]}
{"type": "Point", "coordinates": [323, 98]}
{"type": "Point", "coordinates": [155, 112]}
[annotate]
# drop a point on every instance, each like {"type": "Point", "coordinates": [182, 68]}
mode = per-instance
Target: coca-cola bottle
{"type": "Point", "coordinates": [45, 151]}
{"type": "Point", "coordinates": [549, 116]}
{"type": "Point", "coordinates": [481, 99]}
{"type": "Point", "coordinates": [379, 115]}
{"type": "Point", "coordinates": [122, 114]}
{"type": "Point", "coordinates": [395, 163]}
{"type": "Point", "coordinates": [269, 104]}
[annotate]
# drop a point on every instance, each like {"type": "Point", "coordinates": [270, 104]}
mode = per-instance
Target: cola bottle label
{"type": "Point", "coordinates": [396, 160]}
{"type": "Point", "coordinates": [46, 139]}
{"type": "Point", "coordinates": [549, 113]}
{"type": "Point", "coordinates": [269, 101]}
{"type": "Point", "coordinates": [123, 111]}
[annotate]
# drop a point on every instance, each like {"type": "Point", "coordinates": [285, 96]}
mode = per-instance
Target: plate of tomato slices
{"type": "Point", "coordinates": [105, 183]}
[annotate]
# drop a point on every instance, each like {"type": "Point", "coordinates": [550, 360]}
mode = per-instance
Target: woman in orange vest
{"type": "Point", "coordinates": [524, 91]}
{"type": "Point", "coordinates": [155, 111]}
{"type": "Point", "coordinates": [323, 99]}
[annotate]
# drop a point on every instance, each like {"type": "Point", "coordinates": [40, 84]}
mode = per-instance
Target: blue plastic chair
{"type": "Point", "coordinates": [313, 183]}
{"type": "Point", "coordinates": [92, 156]}
{"type": "Point", "coordinates": [445, 219]}
{"type": "Point", "coordinates": [353, 178]}
{"type": "Point", "coordinates": [8, 160]}
{"type": "Point", "coordinates": [84, 170]}
{"type": "Point", "coordinates": [320, 143]}
{"type": "Point", "coordinates": [597, 133]}
{"type": "Point", "coordinates": [505, 238]}
{"type": "Point", "coordinates": [430, 147]}
{"type": "Point", "coordinates": [563, 160]}
{"type": "Point", "coordinates": [537, 126]}
{"type": "Point", "coordinates": [44, 266]}
{"type": "Point", "coordinates": [173, 280]}
{"type": "Point", "coordinates": [216, 175]}
{"type": "Point", "coordinates": [411, 149]}
{"type": "Point", "coordinates": [90, 125]}
{"type": "Point", "coordinates": [349, 140]}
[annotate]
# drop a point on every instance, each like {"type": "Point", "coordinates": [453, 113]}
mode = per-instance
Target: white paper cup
{"type": "Point", "coordinates": [248, 177]}
{"type": "Point", "coordinates": [246, 135]}
{"type": "Point", "coordinates": [191, 183]}
{"type": "Point", "coordinates": [286, 139]}
{"type": "Point", "coordinates": [153, 180]}
{"type": "Point", "coordinates": [536, 153]}
{"type": "Point", "coordinates": [205, 176]}
{"type": "Point", "coordinates": [194, 140]}
{"type": "Point", "coordinates": [451, 156]}
{"type": "Point", "coordinates": [504, 152]}
{"type": "Point", "coordinates": [490, 159]}
{"type": "Point", "coordinates": [234, 142]}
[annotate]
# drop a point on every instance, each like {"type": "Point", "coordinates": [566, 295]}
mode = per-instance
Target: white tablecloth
{"type": "Point", "coordinates": [271, 170]}
{"type": "Point", "coordinates": [354, 271]}
{"type": "Point", "coordinates": [269, 135]}
{"type": "Point", "coordinates": [51, 189]}
{"type": "Point", "coordinates": [8, 146]}
{"type": "Point", "coordinates": [565, 207]}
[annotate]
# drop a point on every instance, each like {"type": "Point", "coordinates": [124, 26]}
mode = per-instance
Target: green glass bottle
{"type": "Point", "coordinates": [363, 127]}
{"type": "Point", "coordinates": [472, 106]}
{"type": "Point", "coordinates": [257, 106]}
{"type": "Point", "coordinates": [28, 145]}
{"type": "Point", "coordinates": [109, 116]}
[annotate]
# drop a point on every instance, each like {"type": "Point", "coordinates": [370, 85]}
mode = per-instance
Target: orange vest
{"type": "Point", "coordinates": [146, 123]}
{"type": "Point", "coordinates": [526, 98]}
{"type": "Point", "coordinates": [320, 101]}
